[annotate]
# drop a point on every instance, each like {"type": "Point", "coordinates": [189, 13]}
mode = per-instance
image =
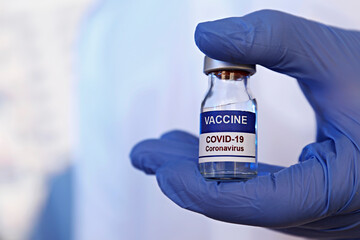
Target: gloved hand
{"type": "Point", "coordinates": [318, 197]}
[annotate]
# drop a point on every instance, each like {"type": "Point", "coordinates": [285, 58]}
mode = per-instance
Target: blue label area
{"type": "Point", "coordinates": [227, 121]}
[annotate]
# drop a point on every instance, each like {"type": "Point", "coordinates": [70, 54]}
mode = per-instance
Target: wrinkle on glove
{"type": "Point", "coordinates": [319, 196]}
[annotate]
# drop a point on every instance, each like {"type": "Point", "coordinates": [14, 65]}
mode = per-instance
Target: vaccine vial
{"type": "Point", "coordinates": [228, 123]}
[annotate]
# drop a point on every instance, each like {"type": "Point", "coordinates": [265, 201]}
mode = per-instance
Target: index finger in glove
{"type": "Point", "coordinates": [298, 47]}
{"type": "Point", "coordinates": [149, 155]}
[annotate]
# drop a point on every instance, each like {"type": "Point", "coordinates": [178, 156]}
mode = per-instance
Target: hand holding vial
{"type": "Point", "coordinates": [318, 196]}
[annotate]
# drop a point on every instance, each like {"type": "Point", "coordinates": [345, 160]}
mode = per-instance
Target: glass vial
{"type": "Point", "coordinates": [228, 123]}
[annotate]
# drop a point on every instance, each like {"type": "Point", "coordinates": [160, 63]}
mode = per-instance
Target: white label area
{"type": "Point", "coordinates": [227, 146]}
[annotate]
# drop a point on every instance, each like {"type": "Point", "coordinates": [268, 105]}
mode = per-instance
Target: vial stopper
{"type": "Point", "coordinates": [211, 65]}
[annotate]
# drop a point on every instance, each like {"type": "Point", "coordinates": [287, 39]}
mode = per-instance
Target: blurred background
{"type": "Point", "coordinates": [82, 81]}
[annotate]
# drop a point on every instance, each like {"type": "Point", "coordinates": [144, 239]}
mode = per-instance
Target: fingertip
{"type": "Point", "coordinates": [224, 39]}
{"type": "Point", "coordinates": [198, 35]}
{"type": "Point", "coordinates": [179, 135]}
{"type": "Point", "coordinates": [173, 173]}
{"type": "Point", "coordinates": [141, 147]}
{"type": "Point", "coordinates": [181, 181]}
{"type": "Point", "coordinates": [139, 152]}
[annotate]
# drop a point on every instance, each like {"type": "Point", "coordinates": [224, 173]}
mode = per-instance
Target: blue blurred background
{"type": "Point", "coordinates": [82, 81]}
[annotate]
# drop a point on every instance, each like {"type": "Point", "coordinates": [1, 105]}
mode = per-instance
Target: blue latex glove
{"type": "Point", "coordinates": [318, 197]}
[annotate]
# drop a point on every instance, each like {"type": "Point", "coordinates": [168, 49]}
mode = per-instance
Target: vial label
{"type": "Point", "coordinates": [227, 136]}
